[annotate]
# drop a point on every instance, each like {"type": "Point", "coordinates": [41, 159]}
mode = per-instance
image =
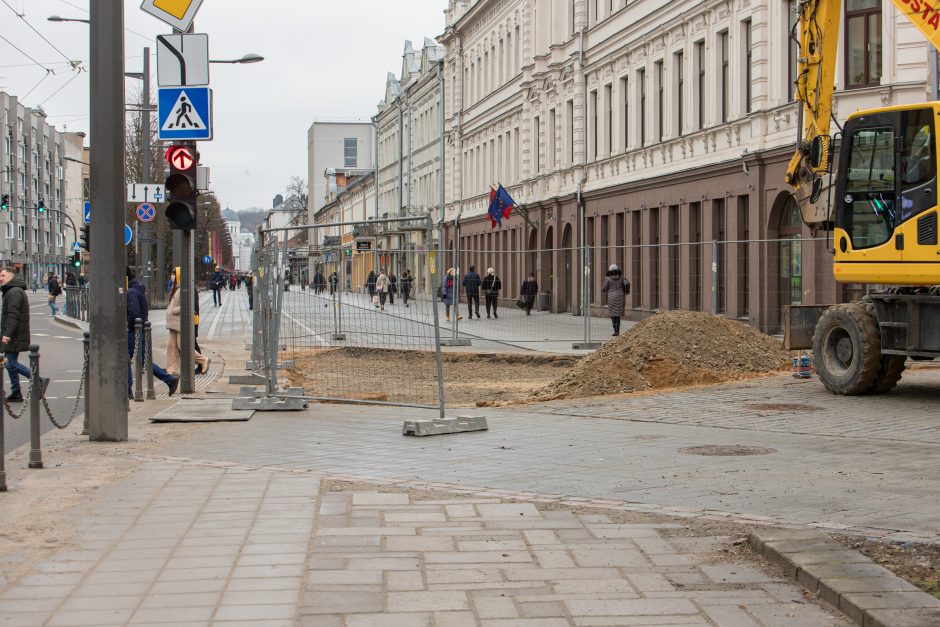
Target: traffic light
{"type": "Point", "coordinates": [5, 202]}
{"type": "Point", "coordinates": [180, 187]}
{"type": "Point", "coordinates": [77, 259]}
{"type": "Point", "coordinates": [85, 236]}
{"type": "Point", "coordinates": [41, 207]}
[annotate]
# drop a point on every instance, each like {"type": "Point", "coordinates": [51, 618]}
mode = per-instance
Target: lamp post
{"type": "Point", "coordinates": [247, 58]}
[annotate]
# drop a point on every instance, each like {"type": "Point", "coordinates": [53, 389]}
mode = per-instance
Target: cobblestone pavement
{"type": "Point", "coordinates": [864, 464]}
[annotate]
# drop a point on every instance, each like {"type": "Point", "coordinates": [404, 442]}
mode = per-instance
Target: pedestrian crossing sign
{"type": "Point", "coordinates": [184, 113]}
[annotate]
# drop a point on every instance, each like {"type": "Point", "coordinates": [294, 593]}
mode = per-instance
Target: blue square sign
{"type": "Point", "coordinates": [184, 113]}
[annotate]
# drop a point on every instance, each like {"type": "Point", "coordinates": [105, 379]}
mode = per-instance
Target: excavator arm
{"type": "Point", "coordinates": [817, 30]}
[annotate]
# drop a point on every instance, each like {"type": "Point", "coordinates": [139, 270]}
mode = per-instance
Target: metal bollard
{"type": "Point", "coordinates": [35, 397]}
{"type": "Point", "coordinates": [86, 340]}
{"type": "Point", "coordinates": [138, 360]}
{"type": "Point", "coordinates": [148, 364]}
{"type": "Point", "coordinates": [3, 446]}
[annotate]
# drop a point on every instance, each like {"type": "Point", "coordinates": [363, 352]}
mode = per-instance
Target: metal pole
{"type": "Point", "coordinates": [437, 337]}
{"type": "Point", "coordinates": [714, 277]}
{"type": "Point", "coordinates": [456, 312]}
{"type": "Point", "coordinates": [145, 166]}
{"type": "Point", "coordinates": [3, 446]}
{"type": "Point", "coordinates": [440, 224]}
{"type": "Point", "coordinates": [107, 374]}
{"type": "Point", "coordinates": [148, 364]}
{"type": "Point", "coordinates": [138, 360]}
{"type": "Point", "coordinates": [932, 59]}
{"type": "Point", "coordinates": [585, 269]}
{"type": "Point", "coordinates": [160, 271]}
{"type": "Point", "coordinates": [35, 394]}
{"type": "Point", "coordinates": [86, 339]}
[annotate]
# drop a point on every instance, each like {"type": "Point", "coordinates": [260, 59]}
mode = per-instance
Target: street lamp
{"type": "Point", "coordinates": [57, 18]}
{"type": "Point", "coordinates": [74, 160]}
{"type": "Point", "coordinates": [251, 57]}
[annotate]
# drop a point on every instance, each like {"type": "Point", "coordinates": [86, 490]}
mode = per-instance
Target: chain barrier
{"type": "Point", "coordinates": [78, 401]}
{"type": "Point", "coordinates": [9, 408]}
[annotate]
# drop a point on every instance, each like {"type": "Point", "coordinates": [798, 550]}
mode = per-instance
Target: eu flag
{"type": "Point", "coordinates": [501, 204]}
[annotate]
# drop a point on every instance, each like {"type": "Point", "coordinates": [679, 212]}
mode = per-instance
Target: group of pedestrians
{"type": "Point", "coordinates": [472, 285]}
{"type": "Point", "coordinates": [219, 280]}
{"type": "Point", "coordinates": [383, 287]}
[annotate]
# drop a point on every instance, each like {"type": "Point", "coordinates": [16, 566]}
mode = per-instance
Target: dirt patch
{"type": "Point", "coordinates": [917, 563]}
{"type": "Point", "coordinates": [669, 350]}
{"type": "Point", "coordinates": [408, 376]}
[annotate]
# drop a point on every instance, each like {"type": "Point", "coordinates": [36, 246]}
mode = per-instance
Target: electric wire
{"type": "Point", "coordinates": [33, 28]}
{"type": "Point", "coordinates": [26, 95]}
{"type": "Point", "coordinates": [64, 85]}
{"type": "Point", "coordinates": [15, 47]}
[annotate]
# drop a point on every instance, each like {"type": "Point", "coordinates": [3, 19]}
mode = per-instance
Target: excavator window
{"type": "Point", "coordinates": [918, 170]}
{"type": "Point", "coordinates": [870, 196]}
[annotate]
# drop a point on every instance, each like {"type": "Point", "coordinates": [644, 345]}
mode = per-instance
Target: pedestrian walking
{"type": "Point", "coordinates": [216, 281]}
{"type": "Point", "coordinates": [406, 282]}
{"type": "Point", "coordinates": [70, 280]}
{"type": "Point", "coordinates": [334, 283]}
{"type": "Point", "coordinates": [616, 287]}
{"type": "Point", "coordinates": [530, 288]}
{"type": "Point", "coordinates": [381, 289]}
{"type": "Point", "coordinates": [471, 287]}
{"type": "Point", "coordinates": [81, 280]}
{"type": "Point", "coordinates": [173, 311]}
{"type": "Point", "coordinates": [491, 287]}
{"type": "Point", "coordinates": [392, 288]}
{"type": "Point", "coordinates": [138, 307]}
{"type": "Point", "coordinates": [54, 290]}
{"type": "Point", "coordinates": [14, 325]}
{"type": "Point", "coordinates": [451, 295]}
{"type": "Point", "coordinates": [370, 283]}
{"type": "Point", "coordinates": [318, 282]}
{"type": "Point", "coordinates": [250, 286]}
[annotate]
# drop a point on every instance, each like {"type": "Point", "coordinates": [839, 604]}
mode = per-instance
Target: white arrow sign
{"type": "Point", "coordinates": [182, 60]}
{"type": "Point", "coordinates": [145, 192]}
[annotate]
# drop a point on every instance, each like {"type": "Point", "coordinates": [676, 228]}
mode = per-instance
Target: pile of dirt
{"type": "Point", "coordinates": [671, 349]}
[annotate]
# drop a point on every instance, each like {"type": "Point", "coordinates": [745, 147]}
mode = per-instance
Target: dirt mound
{"type": "Point", "coordinates": [671, 349]}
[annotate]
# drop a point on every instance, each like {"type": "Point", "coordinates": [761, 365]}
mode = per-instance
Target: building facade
{"type": "Point", "coordinates": [33, 175]}
{"type": "Point", "coordinates": [656, 135]}
{"type": "Point", "coordinates": [336, 144]}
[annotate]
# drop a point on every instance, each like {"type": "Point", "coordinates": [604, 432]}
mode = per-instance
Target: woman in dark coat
{"type": "Point", "coordinates": [616, 287]}
{"type": "Point", "coordinates": [530, 288]}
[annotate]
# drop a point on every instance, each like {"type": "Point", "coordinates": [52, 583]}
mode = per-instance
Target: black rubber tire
{"type": "Point", "coordinates": [847, 349]}
{"type": "Point", "coordinates": [892, 366]}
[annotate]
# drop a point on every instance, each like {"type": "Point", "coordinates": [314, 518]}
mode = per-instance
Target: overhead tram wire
{"type": "Point", "coordinates": [33, 88]}
{"type": "Point", "coordinates": [33, 28]}
{"type": "Point", "coordinates": [15, 47]}
{"type": "Point", "coordinates": [63, 86]}
{"type": "Point", "coordinates": [85, 10]}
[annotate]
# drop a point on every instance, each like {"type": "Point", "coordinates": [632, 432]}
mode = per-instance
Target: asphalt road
{"type": "Point", "coordinates": [60, 351]}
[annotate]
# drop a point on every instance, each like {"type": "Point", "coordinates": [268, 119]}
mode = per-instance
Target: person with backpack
{"type": "Point", "coordinates": [616, 287]}
{"type": "Point", "coordinates": [137, 307]}
{"type": "Point", "coordinates": [54, 290]}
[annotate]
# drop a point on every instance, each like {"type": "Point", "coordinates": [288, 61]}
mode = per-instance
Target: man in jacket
{"type": "Point", "coordinates": [54, 290]}
{"type": "Point", "coordinates": [471, 286]}
{"type": "Point", "coordinates": [216, 281]}
{"type": "Point", "coordinates": [137, 307]}
{"type": "Point", "coordinates": [491, 287]}
{"type": "Point", "coordinates": [14, 325]}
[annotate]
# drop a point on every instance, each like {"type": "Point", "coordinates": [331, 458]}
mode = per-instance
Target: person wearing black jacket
{"type": "Point", "coordinates": [137, 307]}
{"type": "Point", "coordinates": [491, 287]}
{"type": "Point", "coordinates": [406, 281]}
{"type": "Point", "coordinates": [471, 287]}
{"type": "Point", "coordinates": [530, 288]}
{"type": "Point", "coordinates": [54, 290]}
{"type": "Point", "coordinates": [217, 282]}
{"type": "Point", "coordinates": [14, 322]}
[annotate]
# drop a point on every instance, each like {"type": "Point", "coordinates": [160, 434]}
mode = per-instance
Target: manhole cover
{"type": "Point", "coordinates": [732, 450]}
{"type": "Point", "coordinates": [783, 407]}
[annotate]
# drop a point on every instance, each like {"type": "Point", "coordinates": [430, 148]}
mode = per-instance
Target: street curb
{"type": "Point", "coordinates": [868, 594]}
{"type": "Point", "coordinates": [71, 322]}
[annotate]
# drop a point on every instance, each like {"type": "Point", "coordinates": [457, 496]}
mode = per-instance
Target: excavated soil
{"type": "Point", "coordinates": [669, 350]}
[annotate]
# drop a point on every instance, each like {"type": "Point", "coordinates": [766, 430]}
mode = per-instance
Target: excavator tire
{"type": "Point", "coordinates": [892, 366]}
{"type": "Point", "coordinates": [847, 349]}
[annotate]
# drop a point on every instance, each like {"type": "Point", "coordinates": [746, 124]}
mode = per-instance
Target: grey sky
{"type": "Point", "coordinates": [318, 62]}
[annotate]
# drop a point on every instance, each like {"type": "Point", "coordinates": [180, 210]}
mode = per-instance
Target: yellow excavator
{"type": "Point", "coordinates": [880, 204]}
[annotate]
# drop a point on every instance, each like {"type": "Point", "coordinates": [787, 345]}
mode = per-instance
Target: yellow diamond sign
{"type": "Point", "coordinates": [177, 13]}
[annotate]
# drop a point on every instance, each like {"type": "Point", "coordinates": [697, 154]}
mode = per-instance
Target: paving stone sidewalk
{"type": "Point", "coordinates": [195, 544]}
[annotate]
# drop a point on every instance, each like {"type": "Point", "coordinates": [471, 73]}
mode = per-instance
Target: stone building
{"type": "Point", "coordinates": [655, 134]}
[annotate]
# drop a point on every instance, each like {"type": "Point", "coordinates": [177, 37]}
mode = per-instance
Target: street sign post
{"type": "Point", "coordinates": [86, 214]}
{"type": "Point", "coordinates": [146, 212]}
{"type": "Point", "coordinates": [184, 113]}
{"type": "Point", "coordinates": [207, 260]}
{"type": "Point", "coordinates": [76, 247]}
{"type": "Point", "coordinates": [182, 60]}
{"type": "Point", "coordinates": [177, 13]}
{"type": "Point", "coordinates": [145, 192]}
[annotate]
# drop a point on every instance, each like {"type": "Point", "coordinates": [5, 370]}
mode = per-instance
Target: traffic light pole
{"type": "Point", "coordinates": [145, 144]}
{"type": "Point", "coordinates": [187, 309]}
{"type": "Point", "coordinates": [107, 381]}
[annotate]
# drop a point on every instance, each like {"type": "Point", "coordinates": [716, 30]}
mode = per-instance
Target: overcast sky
{"type": "Point", "coordinates": [321, 59]}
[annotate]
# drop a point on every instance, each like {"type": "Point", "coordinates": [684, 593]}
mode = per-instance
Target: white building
{"type": "Point", "coordinates": [244, 246]}
{"type": "Point", "coordinates": [675, 120]}
{"type": "Point", "coordinates": [336, 143]}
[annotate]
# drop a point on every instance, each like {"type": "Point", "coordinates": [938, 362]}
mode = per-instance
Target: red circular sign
{"type": "Point", "coordinates": [180, 157]}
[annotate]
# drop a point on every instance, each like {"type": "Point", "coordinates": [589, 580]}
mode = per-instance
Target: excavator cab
{"type": "Point", "coordinates": [885, 213]}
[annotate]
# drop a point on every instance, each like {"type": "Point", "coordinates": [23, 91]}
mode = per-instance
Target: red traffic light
{"type": "Point", "coordinates": [180, 157]}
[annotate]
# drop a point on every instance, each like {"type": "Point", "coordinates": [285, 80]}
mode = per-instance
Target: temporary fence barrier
{"type": "Point", "coordinates": [76, 302]}
{"type": "Point", "coordinates": [345, 336]}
